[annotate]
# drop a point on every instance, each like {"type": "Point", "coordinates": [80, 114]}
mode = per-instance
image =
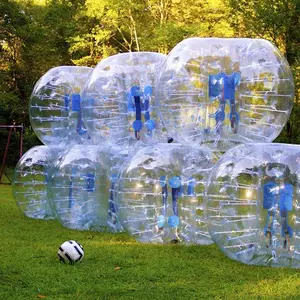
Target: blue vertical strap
{"type": "Point", "coordinates": [286, 197]}
{"type": "Point", "coordinates": [191, 187]}
{"type": "Point", "coordinates": [161, 219]}
{"type": "Point", "coordinates": [137, 125]}
{"type": "Point", "coordinates": [269, 201]}
{"type": "Point", "coordinates": [112, 208]}
{"type": "Point", "coordinates": [223, 86]}
{"type": "Point", "coordinates": [285, 205]}
{"type": "Point", "coordinates": [269, 197]}
{"type": "Point", "coordinates": [269, 228]}
{"type": "Point", "coordinates": [71, 199]}
{"type": "Point", "coordinates": [80, 127]}
{"type": "Point", "coordinates": [175, 183]}
{"type": "Point", "coordinates": [130, 104]}
{"type": "Point", "coordinates": [90, 182]}
{"type": "Point", "coordinates": [230, 83]}
{"type": "Point", "coordinates": [150, 124]}
{"type": "Point", "coordinates": [181, 191]}
{"type": "Point", "coordinates": [67, 101]}
{"type": "Point", "coordinates": [75, 102]}
{"type": "Point", "coordinates": [215, 86]}
{"type": "Point", "coordinates": [215, 90]}
{"type": "Point", "coordinates": [76, 107]}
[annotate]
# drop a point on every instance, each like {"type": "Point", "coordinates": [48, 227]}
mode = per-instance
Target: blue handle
{"type": "Point", "coordinates": [137, 125]}
{"type": "Point", "coordinates": [175, 183]}
{"type": "Point", "coordinates": [164, 193]}
{"type": "Point", "coordinates": [223, 86]}
{"type": "Point", "coordinates": [112, 204]}
{"type": "Point", "coordinates": [90, 182]}
{"type": "Point", "coordinates": [150, 124]}
{"type": "Point", "coordinates": [71, 199]}
{"type": "Point", "coordinates": [67, 101]}
{"type": "Point", "coordinates": [191, 186]}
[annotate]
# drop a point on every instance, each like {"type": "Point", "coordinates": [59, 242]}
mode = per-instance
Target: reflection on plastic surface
{"type": "Point", "coordinates": [119, 99]}
{"type": "Point", "coordinates": [252, 204]}
{"type": "Point", "coordinates": [224, 91]}
{"type": "Point", "coordinates": [55, 106]}
{"type": "Point", "coordinates": [160, 194]}
{"type": "Point", "coordinates": [30, 181]}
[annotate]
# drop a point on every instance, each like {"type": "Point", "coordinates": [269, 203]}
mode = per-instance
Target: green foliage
{"type": "Point", "coordinates": [36, 35]}
{"type": "Point", "coordinates": [117, 267]}
{"type": "Point", "coordinates": [277, 21]}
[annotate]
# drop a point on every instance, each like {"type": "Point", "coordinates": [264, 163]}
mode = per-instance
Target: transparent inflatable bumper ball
{"type": "Point", "coordinates": [225, 91]}
{"type": "Point", "coordinates": [55, 106]}
{"type": "Point", "coordinates": [30, 181]}
{"type": "Point", "coordinates": [159, 194]}
{"type": "Point", "coordinates": [252, 204]}
{"type": "Point", "coordinates": [119, 104]}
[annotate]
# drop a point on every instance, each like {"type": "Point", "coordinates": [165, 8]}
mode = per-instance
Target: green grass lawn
{"type": "Point", "coordinates": [29, 268]}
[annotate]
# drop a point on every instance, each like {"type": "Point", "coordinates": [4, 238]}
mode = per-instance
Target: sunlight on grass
{"type": "Point", "coordinates": [117, 267]}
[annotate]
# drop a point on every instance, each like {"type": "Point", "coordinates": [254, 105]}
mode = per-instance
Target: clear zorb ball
{"type": "Point", "coordinates": [159, 194]}
{"type": "Point", "coordinates": [225, 91]}
{"type": "Point", "coordinates": [81, 185]}
{"type": "Point", "coordinates": [252, 204]}
{"type": "Point", "coordinates": [55, 106]}
{"type": "Point", "coordinates": [119, 99]}
{"type": "Point", "coordinates": [30, 181]}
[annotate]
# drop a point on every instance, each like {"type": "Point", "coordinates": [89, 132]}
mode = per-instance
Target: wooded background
{"type": "Point", "coordinates": [36, 35]}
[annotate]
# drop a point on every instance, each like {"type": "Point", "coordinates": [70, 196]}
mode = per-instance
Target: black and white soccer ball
{"type": "Point", "coordinates": [70, 252]}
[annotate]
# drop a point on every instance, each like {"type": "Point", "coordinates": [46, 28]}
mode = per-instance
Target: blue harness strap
{"type": "Point", "coordinates": [223, 86]}
{"type": "Point", "coordinates": [150, 124]}
{"type": "Point", "coordinates": [269, 201]}
{"type": "Point", "coordinates": [191, 187]}
{"type": "Point", "coordinates": [269, 198]}
{"type": "Point", "coordinates": [71, 199]}
{"type": "Point", "coordinates": [90, 182]}
{"type": "Point", "coordinates": [76, 107]}
{"type": "Point", "coordinates": [137, 125]}
{"type": "Point", "coordinates": [75, 102]}
{"type": "Point", "coordinates": [285, 205]}
{"type": "Point", "coordinates": [215, 90]}
{"type": "Point", "coordinates": [230, 83]}
{"type": "Point", "coordinates": [161, 219]}
{"type": "Point", "coordinates": [112, 207]}
{"type": "Point", "coordinates": [130, 104]}
{"type": "Point", "coordinates": [66, 101]}
{"type": "Point", "coordinates": [140, 106]}
{"type": "Point", "coordinates": [175, 183]}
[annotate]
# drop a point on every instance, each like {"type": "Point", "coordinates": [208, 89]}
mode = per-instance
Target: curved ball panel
{"type": "Point", "coordinates": [55, 108]}
{"type": "Point", "coordinates": [118, 100]}
{"type": "Point", "coordinates": [81, 187]}
{"type": "Point", "coordinates": [252, 204]}
{"type": "Point", "coordinates": [159, 194]}
{"type": "Point", "coordinates": [31, 179]}
{"type": "Point", "coordinates": [215, 90]}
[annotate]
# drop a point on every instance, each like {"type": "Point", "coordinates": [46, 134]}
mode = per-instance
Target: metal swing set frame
{"type": "Point", "coordinates": [10, 128]}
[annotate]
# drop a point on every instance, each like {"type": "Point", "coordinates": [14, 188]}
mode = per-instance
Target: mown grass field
{"type": "Point", "coordinates": [116, 267]}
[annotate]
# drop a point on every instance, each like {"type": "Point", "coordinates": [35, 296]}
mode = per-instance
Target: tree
{"type": "Point", "coordinates": [277, 21]}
